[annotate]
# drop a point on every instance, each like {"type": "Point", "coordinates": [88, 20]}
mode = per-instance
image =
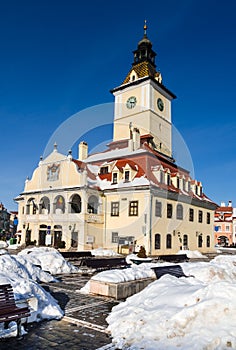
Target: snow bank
{"type": "Point", "coordinates": [103, 252]}
{"type": "Point", "coordinates": [192, 254]}
{"type": "Point", "coordinates": [23, 271]}
{"type": "Point", "coordinates": [49, 259]}
{"type": "Point", "coordinates": [185, 313]}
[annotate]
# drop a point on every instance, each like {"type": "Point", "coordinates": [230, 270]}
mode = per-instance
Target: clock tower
{"type": "Point", "coordinates": [143, 101]}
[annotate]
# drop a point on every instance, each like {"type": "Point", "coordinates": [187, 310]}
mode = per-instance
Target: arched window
{"type": "Point", "coordinates": [157, 241]}
{"type": "Point", "coordinates": [185, 241]}
{"type": "Point", "coordinates": [200, 241]}
{"type": "Point", "coordinates": [208, 241]}
{"type": "Point", "coordinates": [169, 211]}
{"type": "Point", "coordinates": [93, 205]}
{"type": "Point", "coordinates": [168, 241]}
{"type": "Point", "coordinates": [179, 212]}
{"type": "Point", "coordinates": [75, 204]}
{"type": "Point", "coordinates": [59, 205]}
{"type": "Point", "coordinates": [31, 207]}
{"type": "Point", "coordinates": [44, 206]}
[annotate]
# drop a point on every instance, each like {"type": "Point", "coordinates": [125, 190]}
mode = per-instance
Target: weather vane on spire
{"type": "Point", "coordinates": [145, 27]}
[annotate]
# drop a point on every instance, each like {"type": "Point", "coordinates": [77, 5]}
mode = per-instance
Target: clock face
{"type": "Point", "coordinates": [131, 102]}
{"type": "Point", "coordinates": [160, 104]}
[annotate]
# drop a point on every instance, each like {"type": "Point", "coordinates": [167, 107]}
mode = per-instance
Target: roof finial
{"type": "Point", "coordinates": [145, 27]}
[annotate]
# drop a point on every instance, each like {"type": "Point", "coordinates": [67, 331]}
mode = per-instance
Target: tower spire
{"type": "Point", "coordinates": [145, 28]}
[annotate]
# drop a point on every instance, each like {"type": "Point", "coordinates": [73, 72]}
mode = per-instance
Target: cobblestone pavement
{"type": "Point", "coordinates": [82, 328]}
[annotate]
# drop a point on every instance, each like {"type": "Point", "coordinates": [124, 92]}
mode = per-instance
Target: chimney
{"type": "Point", "coordinates": [136, 139]}
{"type": "Point", "coordinates": [230, 204]}
{"type": "Point", "coordinates": [222, 204]}
{"type": "Point", "coordinates": [83, 150]}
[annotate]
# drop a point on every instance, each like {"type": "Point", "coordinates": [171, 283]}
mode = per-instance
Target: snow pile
{"type": "Point", "coordinates": [3, 244]}
{"type": "Point", "coordinates": [49, 259]}
{"type": "Point", "coordinates": [130, 274]}
{"type": "Point", "coordinates": [181, 313]}
{"type": "Point", "coordinates": [192, 254]}
{"type": "Point", "coordinates": [103, 252]}
{"type": "Point", "coordinates": [23, 271]}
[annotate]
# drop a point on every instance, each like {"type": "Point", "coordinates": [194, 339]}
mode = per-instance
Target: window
{"type": "Point", "coordinates": [185, 241]}
{"type": "Point", "coordinates": [168, 180]}
{"type": "Point", "coordinates": [168, 241]}
{"type": "Point", "coordinates": [44, 206]}
{"type": "Point", "coordinates": [184, 185]}
{"type": "Point", "coordinates": [191, 214]}
{"type": "Point", "coordinates": [208, 241]}
{"type": "Point", "coordinates": [93, 205]}
{"type": "Point", "coordinates": [177, 182]}
{"type": "Point", "coordinates": [200, 216]}
{"type": "Point", "coordinates": [115, 208]}
{"type": "Point", "coordinates": [114, 178]}
{"type": "Point", "coordinates": [126, 175]}
{"type": "Point", "coordinates": [157, 241]}
{"type": "Point", "coordinates": [227, 228]}
{"type": "Point", "coordinates": [133, 208]}
{"type": "Point", "coordinates": [169, 211]}
{"type": "Point", "coordinates": [114, 237]}
{"type": "Point", "coordinates": [158, 208]}
{"type": "Point", "coordinates": [179, 212]}
{"type": "Point", "coordinates": [200, 241]}
{"type": "Point", "coordinates": [104, 170]}
{"type": "Point", "coordinates": [59, 205]}
{"type": "Point", "coordinates": [75, 204]}
{"type": "Point", "coordinates": [208, 218]}
{"type": "Point", "coordinates": [196, 190]}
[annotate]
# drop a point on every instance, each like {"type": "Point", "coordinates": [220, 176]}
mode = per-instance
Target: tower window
{"type": "Point", "coordinates": [169, 211]}
{"type": "Point", "coordinates": [200, 216]}
{"type": "Point", "coordinates": [133, 77]}
{"type": "Point", "coordinates": [115, 208]}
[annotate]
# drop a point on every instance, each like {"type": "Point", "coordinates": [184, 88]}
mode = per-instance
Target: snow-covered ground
{"type": "Point", "coordinates": [187, 313]}
{"type": "Point", "coordinates": [23, 271]}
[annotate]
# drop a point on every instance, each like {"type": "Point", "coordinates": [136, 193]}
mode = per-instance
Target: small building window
{"type": "Point", "coordinates": [161, 177]}
{"type": "Point", "coordinates": [208, 241]}
{"type": "Point", "coordinates": [191, 214]}
{"type": "Point", "coordinates": [169, 210]}
{"type": "Point", "coordinates": [200, 241]}
{"type": "Point", "coordinates": [157, 241]}
{"type": "Point", "coordinates": [127, 175]}
{"type": "Point", "coordinates": [168, 241]}
{"type": "Point", "coordinates": [114, 237]}
{"type": "Point", "coordinates": [179, 212]}
{"type": "Point", "coordinates": [115, 208]}
{"type": "Point", "coordinates": [133, 208]}
{"type": "Point", "coordinates": [208, 218]}
{"type": "Point", "coordinates": [185, 241]}
{"type": "Point", "coordinates": [200, 216]}
{"type": "Point", "coordinates": [227, 228]}
{"type": "Point", "coordinates": [114, 178]}
{"type": "Point", "coordinates": [92, 205]}
{"type": "Point", "coordinates": [158, 209]}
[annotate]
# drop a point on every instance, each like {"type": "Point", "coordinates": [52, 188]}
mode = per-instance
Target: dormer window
{"type": "Point", "coordinates": [161, 177]}
{"type": "Point", "coordinates": [114, 178]}
{"type": "Point", "coordinates": [127, 174]}
{"type": "Point", "coordinates": [168, 179]}
{"type": "Point", "coordinates": [177, 182]}
{"type": "Point", "coordinates": [133, 77]}
{"type": "Point", "coordinates": [104, 170]}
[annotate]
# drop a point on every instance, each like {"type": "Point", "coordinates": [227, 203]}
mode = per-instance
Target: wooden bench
{"type": "Point", "coordinates": [8, 309]}
{"type": "Point", "coordinates": [104, 263]}
{"type": "Point", "coordinates": [173, 270]}
{"type": "Point", "coordinates": [77, 255]}
{"type": "Point", "coordinates": [174, 258]}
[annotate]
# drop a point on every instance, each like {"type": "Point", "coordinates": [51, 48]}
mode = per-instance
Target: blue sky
{"type": "Point", "coordinates": [60, 57]}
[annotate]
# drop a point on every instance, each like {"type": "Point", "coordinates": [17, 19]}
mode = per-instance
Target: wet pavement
{"type": "Point", "coordinates": [84, 326]}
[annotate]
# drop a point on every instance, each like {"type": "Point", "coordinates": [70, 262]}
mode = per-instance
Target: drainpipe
{"type": "Point", "coordinates": [150, 224]}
